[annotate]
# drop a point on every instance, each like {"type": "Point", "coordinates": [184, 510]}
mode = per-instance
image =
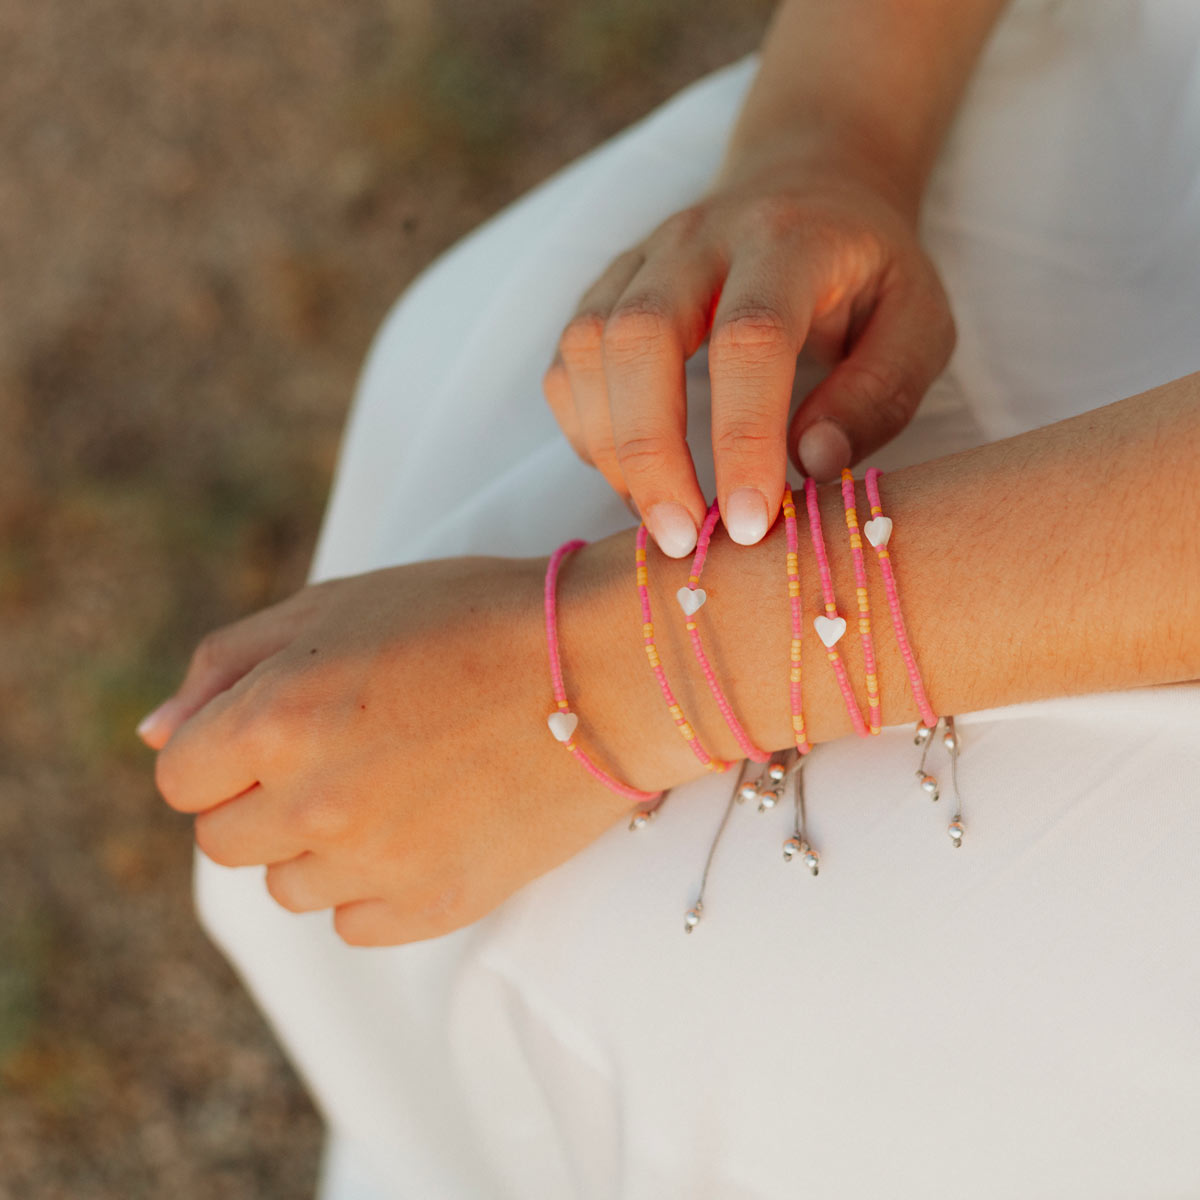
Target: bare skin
{"type": "Point", "coordinates": [324, 736]}
{"type": "Point", "coordinates": [807, 239]}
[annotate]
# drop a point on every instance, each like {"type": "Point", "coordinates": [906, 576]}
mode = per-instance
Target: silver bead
{"type": "Point", "coordinates": [691, 918]}
{"type": "Point", "coordinates": [929, 785]}
{"type": "Point", "coordinates": [640, 820]}
{"type": "Point", "coordinates": [923, 734]}
{"type": "Point", "coordinates": [812, 860]}
{"type": "Point", "coordinates": [950, 741]}
{"type": "Point", "coordinates": [767, 798]}
{"type": "Point", "coordinates": [956, 832]}
{"type": "Point", "coordinates": [791, 848]}
{"type": "Point", "coordinates": [747, 792]}
{"type": "Point", "coordinates": [776, 771]}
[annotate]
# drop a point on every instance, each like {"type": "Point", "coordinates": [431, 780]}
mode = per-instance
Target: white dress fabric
{"type": "Point", "coordinates": [1017, 1018]}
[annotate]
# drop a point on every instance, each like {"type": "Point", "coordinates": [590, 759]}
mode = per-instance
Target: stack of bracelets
{"type": "Point", "coordinates": [779, 769]}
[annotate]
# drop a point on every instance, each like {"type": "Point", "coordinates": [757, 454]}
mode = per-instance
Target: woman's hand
{"type": "Point", "coordinates": [785, 253]}
{"type": "Point", "coordinates": [381, 742]}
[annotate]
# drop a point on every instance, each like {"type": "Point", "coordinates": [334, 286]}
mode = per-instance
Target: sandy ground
{"type": "Point", "coordinates": [205, 209]}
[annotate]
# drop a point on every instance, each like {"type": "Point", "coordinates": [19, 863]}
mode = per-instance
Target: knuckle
{"type": "Point", "coordinates": [880, 389]}
{"type": "Point", "coordinates": [778, 216]}
{"type": "Point", "coordinates": [642, 454]}
{"type": "Point", "coordinates": [637, 327]}
{"type": "Point", "coordinates": [324, 817]}
{"type": "Point", "coordinates": [684, 226]}
{"type": "Point", "coordinates": [273, 721]}
{"type": "Point", "coordinates": [350, 926]}
{"type": "Point", "coordinates": [267, 732]}
{"type": "Point", "coordinates": [209, 845]}
{"type": "Point", "coordinates": [582, 342]}
{"type": "Point", "coordinates": [280, 891]}
{"type": "Point", "coordinates": [750, 333]}
{"type": "Point", "coordinates": [743, 440]}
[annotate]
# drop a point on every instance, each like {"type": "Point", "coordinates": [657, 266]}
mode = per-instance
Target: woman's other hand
{"type": "Point", "coordinates": [380, 742]}
{"type": "Point", "coordinates": [806, 240]}
{"type": "Point", "coordinates": [781, 256]}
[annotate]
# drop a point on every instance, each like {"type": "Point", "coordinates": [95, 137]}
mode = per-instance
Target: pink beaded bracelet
{"type": "Point", "coordinates": [878, 531]}
{"type": "Point", "coordinates": [563, 722]}
{"type": "Point", "coordinates": [794, 603]}
{"type": "Point", "coordinates": [681, 722]}
{"type": "Point", "coordinates": [691, 598]}
{"type": "Point", "coordinates": [830, 627]}
{"type": "Point", "coordinates": [864, 603]}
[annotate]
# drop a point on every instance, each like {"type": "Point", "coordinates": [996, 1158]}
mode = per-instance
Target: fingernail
{"type": "Point", "coordinates": [154, 722]}
{"type": "Point", "coordinates": [823, 450]}
{"type": "Point", "coordinates": [672, 528]}
{"type": "Point", "coordinates": [746, 516]}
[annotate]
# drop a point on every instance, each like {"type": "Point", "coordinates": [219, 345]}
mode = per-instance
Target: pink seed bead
{"type": "Point", "coordinates": [928, 716]}
{"type": "Point", "coordinates": [864, 606]}
{"type": "Point", "coordinates": [835, 659]}
{"type": "Point", "coordinates": [795, 694]}
{"type": "Point", "coordinates": [681, 722]}
{"type": "Point", "coordinates": [556, 678]}
{"type": "Point", "coordinates": [749, 749]}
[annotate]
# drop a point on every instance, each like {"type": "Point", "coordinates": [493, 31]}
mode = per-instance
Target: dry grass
{"type": "Point", "coordinates": [205, 208]}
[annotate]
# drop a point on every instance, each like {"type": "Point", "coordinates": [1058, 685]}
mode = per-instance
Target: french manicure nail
{"type": "Point", "coordinates": [746, 516]}
{"type": "Point", "coordinates": [672, 528]}
{"type": "Point", "coordinates": [823, 451]}
{"type": "Point", "coordinates": [154, 721]}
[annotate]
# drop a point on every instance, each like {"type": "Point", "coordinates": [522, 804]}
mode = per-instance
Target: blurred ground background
{"type": "Point", "coordinates": [206, 206]}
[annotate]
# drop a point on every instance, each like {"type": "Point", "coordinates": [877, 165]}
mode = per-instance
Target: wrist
{"type": "Point", "coordinates": [745, 625]}
{"type": "Point", "coordinates": [608, 678]}
{"type": "Point", "coordinates": [798, 159]}
{"type": "Point", "coordinates": [746, 629]}
{"type": "Point", "coordinates": [876, 82]}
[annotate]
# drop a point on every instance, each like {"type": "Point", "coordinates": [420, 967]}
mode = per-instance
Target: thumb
{"type": "Point", "coordinates": [220, 659]}
{"type": "Point", "coordinates": [874, 391]}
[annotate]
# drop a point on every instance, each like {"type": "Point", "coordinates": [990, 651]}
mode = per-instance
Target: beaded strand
{"type": "Point", "coordinates": [878, 530]}
{"type": "Point", "coordinates": [794, 603]}
{"type": "Point", "coordinates": [830, 627]}
{"type": "Point", "coordinates": [864, 604]}
{"type": "Point", "coordinates": [691, 598]}
{"type": "Point", "coordinates": [681, 722]}
{"type": "Point", "coordinates": [563, 722]}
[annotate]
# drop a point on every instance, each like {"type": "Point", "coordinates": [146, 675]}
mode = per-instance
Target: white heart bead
{"type": "Point", "coordinates": [690, 599]}
{"type": "Point", "coordinates": [878, 530]}
{"type": "Point", "coordinates": [562, 725]}
{"type": "Point", "coordinates": [830, 629]}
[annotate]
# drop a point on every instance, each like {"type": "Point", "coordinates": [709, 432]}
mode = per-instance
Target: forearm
{"type": "Point", "coordinates": [1060, 562]}
{"type": "Point", "coordinates": [875, 82]}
